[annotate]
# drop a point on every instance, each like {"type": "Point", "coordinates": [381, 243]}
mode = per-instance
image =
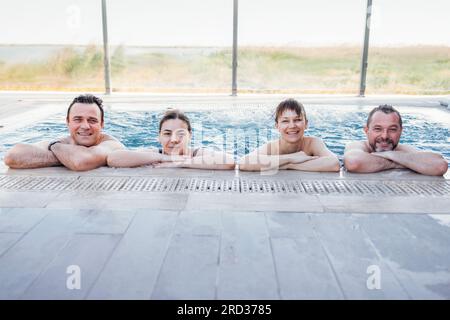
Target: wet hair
{"type": "Point", "coordinates": [387, 109]}
{"type": "Point", "coordinates": [175, 114]}
{"type": "Point", "coordinates": [87, 99]}
{"type": "Point", "coordinates": [290, 104]}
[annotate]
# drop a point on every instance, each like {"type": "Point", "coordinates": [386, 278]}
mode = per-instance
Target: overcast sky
{"type": "Point", "coordinates": [209, 22]}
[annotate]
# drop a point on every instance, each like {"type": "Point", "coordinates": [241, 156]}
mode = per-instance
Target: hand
{"type": "Point", "coordinates": [300, 157]}
{"type": "Point", "coordinates": [383, 154]}
{"type": "Point", "coordinates": [174, 158]}
{"type": "Point", "coordinates": [388, 156]}
{"type": "Point", "coordinates": [168, 164]}
{"type": "Point", "coordinates": [397, 165]}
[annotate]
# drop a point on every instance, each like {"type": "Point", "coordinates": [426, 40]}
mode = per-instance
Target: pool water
{"type": "Point", "coordinates": [240, 130]}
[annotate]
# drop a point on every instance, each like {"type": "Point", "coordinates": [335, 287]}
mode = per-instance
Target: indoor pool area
{"type": "Point", "coordinates": [171, 233]}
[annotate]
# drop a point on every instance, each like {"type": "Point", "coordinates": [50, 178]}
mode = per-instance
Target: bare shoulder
{"type": "Point", "coordinates": [107, 137]}
{"type": "Point", "coordinates": [357, 145]}
{"type": "Point", "coordinates": [270, 148]}
{"type": "Point", "coordinates": [110, 142]}
{"type": "Point", "coordinates": [406, 148]}
{"type": "Point", "coordinates": [315, 146]}
{"type": "Point", "coordinates": [312, 141]}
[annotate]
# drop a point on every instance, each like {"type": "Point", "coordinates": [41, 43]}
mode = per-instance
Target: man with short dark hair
{"type": "Point", "coordinates": [86, 148]}
{"type": "Point", "coordinates": [382, 151]}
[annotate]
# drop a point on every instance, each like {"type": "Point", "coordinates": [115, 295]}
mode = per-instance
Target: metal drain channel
{"type": "Point", "coordinates": [236, 185]}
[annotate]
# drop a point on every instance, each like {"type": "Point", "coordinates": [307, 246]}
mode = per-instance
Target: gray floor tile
{"type": "Point", "coordinates": [190, 268]}
{"type": "Point", "coordinates": [89, 253]}
{"type": "Point", "coordinates": [7, 240]}
{"type": "Point", "coordinates": [351, 254]}
{"type": "Point", "coordinates": [26, 199]}
{"type": "Point", "coordinates": [133, 268]}
{"type": "Point", "coordinates": [289, 224]}
{"type": "Point", "coordinates": [416, 249]}
{"type": "Point", "coordinates": [200, 223]}
{"type": "Point", "coordinates": [120, 201]}
{"type": "Point", "coordinates": [246, 265]}
{"type": "Point", "coordinates": [385, 204]}
{"type": "Point", "coordinates": [19, 267]}
{"type": "Point", "coordinates": [254, 202]}
{"type": "Point", "coordinates": [21, 219]}
{"type": "Point", "coordinates": [303, 269]}
{"type": "Point", "coordinates": [107, 221]}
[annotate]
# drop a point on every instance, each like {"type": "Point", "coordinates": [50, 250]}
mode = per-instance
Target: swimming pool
{"type": "Point", "coordinates": [239, 130]}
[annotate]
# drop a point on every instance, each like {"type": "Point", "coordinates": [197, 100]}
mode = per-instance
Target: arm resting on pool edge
{"type": "Point", "coordinates": [130, 158]}
{"type": "Point", "coordinates": [326, 161]}
{"type": "Point", "coordinates": [207, 159]}
{"type": "Point", "coordinates": [137, 158]}
{"type": "Point", "coordinates": [81, 158]}
{"type": "Point", "coordinates": [210, 159]}
{"type": "Point", "coordinates": [357, 159]}
{"type": "Point", "coordinates": [321, 164]}
{"type": "Point", "coordinates": [424, 162]}
{"type": "Point", "coordinates": [30, 156]}
{"type": "Point", "coordinates": [256, 161]}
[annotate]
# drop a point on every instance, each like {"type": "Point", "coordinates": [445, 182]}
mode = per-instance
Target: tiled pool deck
{"type": "Point", "coordinates": [138, 234]}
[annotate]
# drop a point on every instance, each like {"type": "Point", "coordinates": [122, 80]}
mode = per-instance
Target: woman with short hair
{"type": "Point", "coordinates": [293, 150]}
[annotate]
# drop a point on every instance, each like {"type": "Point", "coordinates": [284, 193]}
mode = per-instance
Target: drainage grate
{"type": "Point", "coordinates": [236, 185]}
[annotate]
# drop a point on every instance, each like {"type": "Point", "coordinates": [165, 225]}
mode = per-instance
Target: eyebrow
{"type": "Point", "coordinates": [296, 117]}
{"type": "Point", "coordinates": [81, 117]}
{"type": "Point", "coordinates": [380, 126]}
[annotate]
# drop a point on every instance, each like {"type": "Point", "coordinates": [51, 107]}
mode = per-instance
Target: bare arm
{"type": "Point", "coordinates": [326, 160]}
{"type": "Point", "coordinates": [137, 158]}
{"type": "Point", "coordinates": [28, 156]}
{"type": "Point", "coordinates": [131, 158]}
{"type": "Point", "coordinates": [321, 164]}
{"type": "Point", "coordinates": [210, 159]}
{"type": "Point", "coordinates": [423, 162]}
{"type": "Point", "coordinates": [81, 158]}
{"type": "Point", "coordinates": [260, 160]}
{"type": "Point", "coordinates": [358, 159]}
{"type": "Point", "coordinates": [207, 159]}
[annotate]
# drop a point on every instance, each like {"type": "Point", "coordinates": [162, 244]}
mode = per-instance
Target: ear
{"type": "Point", "coordinates": [276, 125]}
{"type": "Point", "coordinates": [102, 124]}
{"type": "Point", "coordinates": [306, 124]}
{"type": "Point", "coordinates": [366, 129]}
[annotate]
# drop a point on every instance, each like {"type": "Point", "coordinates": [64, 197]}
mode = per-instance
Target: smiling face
{"type": "Point", "coordinates": [384, 131]}
{"type": "Point", "coordinates": [291, 126]}
{"type": "Point", "coordinates": [85, 124]}
{"type": "Point", "coordinates": [174, 137]}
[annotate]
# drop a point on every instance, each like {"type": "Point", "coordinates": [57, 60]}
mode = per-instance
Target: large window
{"type": "Point", "coordinates": [284, 46]}
{"type": "Point", "coordinates": [171, 45]}
{"type": "Point", "coordinates": [410, 47]}
{"type": "Point", "coordinates": [51, 45]}
{"type": "Point", "coordinates": [300, 46]}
